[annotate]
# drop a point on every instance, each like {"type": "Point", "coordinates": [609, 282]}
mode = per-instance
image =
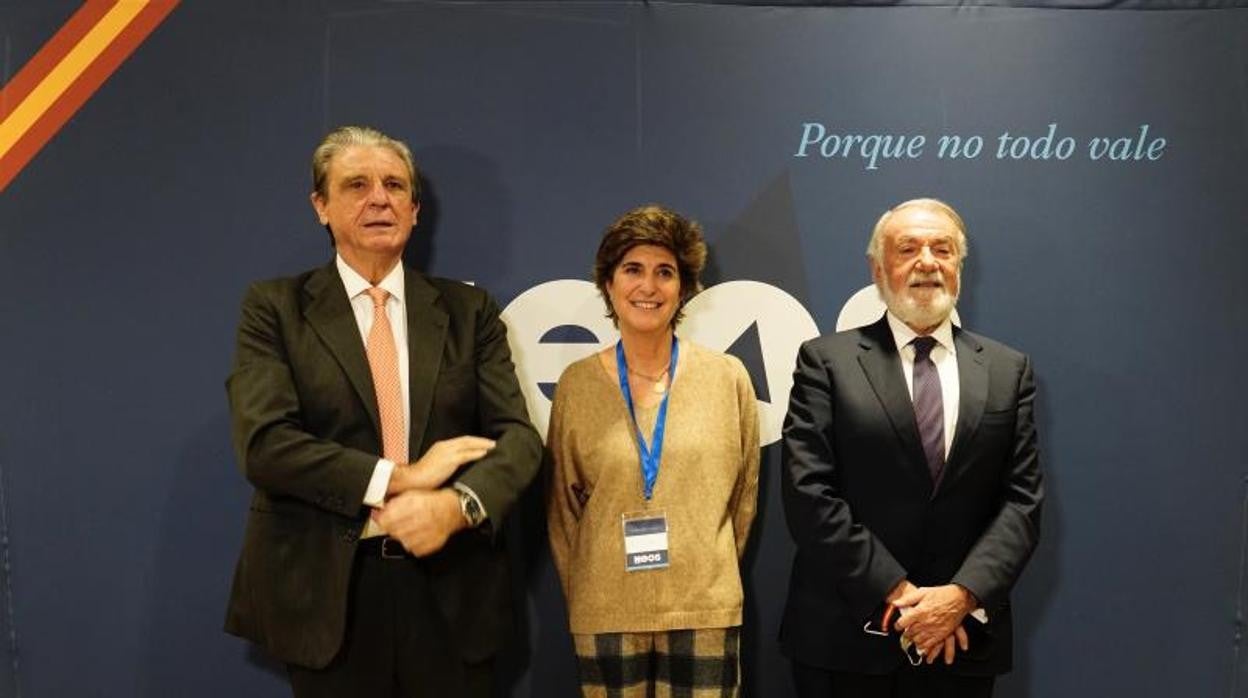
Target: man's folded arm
{"type": "Point", "coordinates": [275, 452]}
{"type": "Point", "coordinates": [498, 479]}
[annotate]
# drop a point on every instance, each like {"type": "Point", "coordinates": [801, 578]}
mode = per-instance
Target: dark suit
{"type": "Point", "coordinates": [307, 436]}
{"type": "Point", "coordinates": [860, 503]}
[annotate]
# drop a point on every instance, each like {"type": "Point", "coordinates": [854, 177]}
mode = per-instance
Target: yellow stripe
{"type": "Point", "coordinates": [46, 93]}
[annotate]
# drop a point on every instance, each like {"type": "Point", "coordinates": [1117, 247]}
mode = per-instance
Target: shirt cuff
{"type": "Point", "coordinates": [375, 495]}
{"type": "Point", "coordinates": [461, 487]}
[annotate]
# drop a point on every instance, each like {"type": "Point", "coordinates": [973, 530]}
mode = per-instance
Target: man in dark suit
{"type": "Point", "coordinates": [368, 572]}
{"type": "Point", "coordinates": [911, 484]}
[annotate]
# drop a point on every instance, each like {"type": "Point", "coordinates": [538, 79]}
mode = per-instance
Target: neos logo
{"type": "Point", "coordinates": [555, 323]}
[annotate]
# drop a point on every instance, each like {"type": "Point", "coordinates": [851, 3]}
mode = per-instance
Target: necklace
{"type": "Point", "coordinates": [659, 386]}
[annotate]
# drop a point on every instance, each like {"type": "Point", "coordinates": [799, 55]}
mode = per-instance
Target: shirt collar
{"type": "Point", "coordinates": [356, 284]}
{"type": "Point", "coordinates": [903, 335]}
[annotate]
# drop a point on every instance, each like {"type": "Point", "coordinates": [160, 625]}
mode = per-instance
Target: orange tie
{"type": "Point", "coordinates": [383, 361]}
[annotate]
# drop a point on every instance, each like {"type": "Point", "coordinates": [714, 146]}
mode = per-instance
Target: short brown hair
{"type": "Point", "coordinates": [348, 136]}
{"type": "Point", "coordinates": [652, 225]}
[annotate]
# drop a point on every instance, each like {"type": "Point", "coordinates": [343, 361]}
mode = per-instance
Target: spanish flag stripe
{"type": "Point", "coordinates": [68, 85]}
{"type": "Point", "coordinates": [47, 58]}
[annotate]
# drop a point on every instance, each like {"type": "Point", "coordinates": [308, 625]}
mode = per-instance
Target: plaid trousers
{"type": "Point", "coordinates": [702, 663]}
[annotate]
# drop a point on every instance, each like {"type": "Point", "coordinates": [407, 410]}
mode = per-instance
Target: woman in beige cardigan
{"type": "Point", "coordinates": [655, 478]}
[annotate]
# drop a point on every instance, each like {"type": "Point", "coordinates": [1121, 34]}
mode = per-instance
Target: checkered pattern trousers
{"type": "Point", "coordinates": [703, 663]}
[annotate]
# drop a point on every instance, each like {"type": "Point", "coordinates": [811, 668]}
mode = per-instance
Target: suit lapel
{"type": "Point", "coordinates": [328, 311]}
{"type": "Point", "coordinates": [881, 363]}
{"type": "Point", "coordinates": [972, 396]}
{"type": "Point", "coordinates": [426, 337]}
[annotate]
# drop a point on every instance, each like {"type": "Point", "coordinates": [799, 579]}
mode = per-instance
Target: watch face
{"type": "Point", "coordinates": [468, 506]}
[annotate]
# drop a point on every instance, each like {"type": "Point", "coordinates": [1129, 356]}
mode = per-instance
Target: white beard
{"type": "Point", "coordinates": [915, 312]}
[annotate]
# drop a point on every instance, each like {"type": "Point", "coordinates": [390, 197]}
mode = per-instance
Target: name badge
{"type": "Point", "coordinates": [645, 541]}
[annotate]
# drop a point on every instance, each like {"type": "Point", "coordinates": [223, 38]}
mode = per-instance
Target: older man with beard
{"type": "Point", "coordinates": [911, 484]}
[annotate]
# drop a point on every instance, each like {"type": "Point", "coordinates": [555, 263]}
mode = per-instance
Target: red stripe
{"type": "Point", "coordinates": [82, 88]}
{"type": "Point", "coordinates": [47, 58]}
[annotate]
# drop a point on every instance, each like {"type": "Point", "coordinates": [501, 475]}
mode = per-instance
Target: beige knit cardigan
{"type": "Point", "coordinates": [707, 487]}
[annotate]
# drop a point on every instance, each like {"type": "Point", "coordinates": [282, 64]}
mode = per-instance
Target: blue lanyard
{"type": "Point", "coordinates": [649, 456]}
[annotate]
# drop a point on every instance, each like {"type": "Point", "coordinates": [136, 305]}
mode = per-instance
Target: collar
{"type": "Point", "coordinates": [355, 284]}
{"type": "Point", "coordinates": [903, 335]}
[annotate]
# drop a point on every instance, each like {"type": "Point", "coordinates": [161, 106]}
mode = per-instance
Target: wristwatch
{"type": "Point", "coordinates": [470, 508]}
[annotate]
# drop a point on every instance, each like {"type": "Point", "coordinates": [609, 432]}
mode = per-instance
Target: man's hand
{"type": "Point", "coordinates": [959, 637]}
{"type": "Point", "coordinates": [422, 520]}
{"type": "Point", "coordinates": [438, 464]}
{"type": "Point", "coordinates": [903, 588]}
{"type": "Point", "coordinates": [932, 619]}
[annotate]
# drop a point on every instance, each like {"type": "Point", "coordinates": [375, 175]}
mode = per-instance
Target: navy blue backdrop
{"type": "Point", "coordinates": [1117, 261]}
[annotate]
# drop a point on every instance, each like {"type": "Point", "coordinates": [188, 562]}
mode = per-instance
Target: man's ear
{"type": "Point", "coordinates": [318, 204]}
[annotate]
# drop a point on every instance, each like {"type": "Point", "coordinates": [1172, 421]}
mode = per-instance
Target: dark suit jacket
{"type": "Point", "coordinates": [307, 436]}
{"type": "Point", "coordinates": [861, 507]}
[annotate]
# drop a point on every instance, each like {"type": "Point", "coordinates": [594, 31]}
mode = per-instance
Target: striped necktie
{"type": "Point", "coordinates": [383, 363]}
{"type": "Point", "coordinates": [929, 409]}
